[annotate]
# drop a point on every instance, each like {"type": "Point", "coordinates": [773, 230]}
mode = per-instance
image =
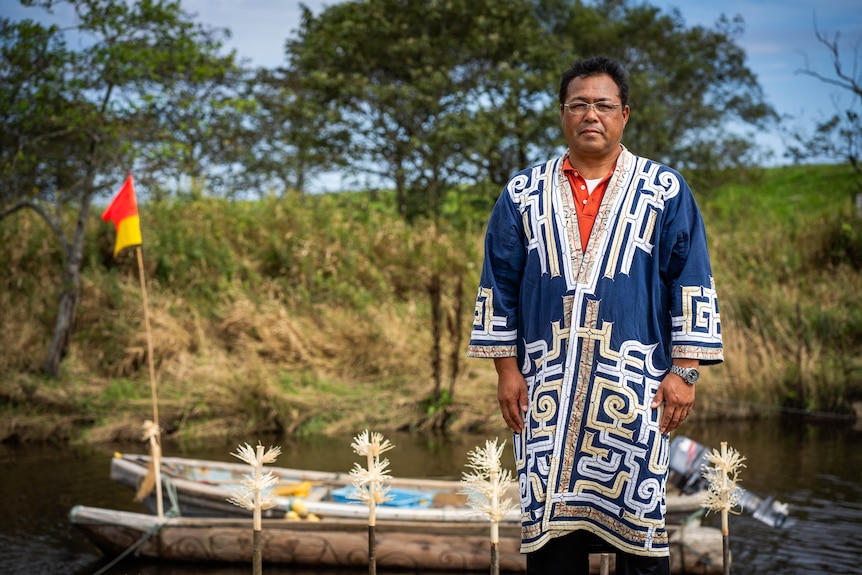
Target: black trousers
{"type": "Point", "coordinates": [570, 555]}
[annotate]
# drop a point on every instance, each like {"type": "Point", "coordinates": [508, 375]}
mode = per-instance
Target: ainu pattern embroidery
{"type": "Point", "coordinates": [700, 320]}
{"type": "Point", "coordinates": [592, 456]}
{"type": "Point", "coordinates": [535, 208]}
{"type": "Point", "coordinates": [540, 232]}
{"type": "Point", "coordinates": [600, 474]}
{"type": "Point", "coordinates": [491, 327]}
{"type": "Point", "coordinates": [600, 485]}
{"type": "Point", "coordinates": [638, 216]}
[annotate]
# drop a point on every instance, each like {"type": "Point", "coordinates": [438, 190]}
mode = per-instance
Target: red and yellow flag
{"type": "Point", "coordinates": [123, 211]}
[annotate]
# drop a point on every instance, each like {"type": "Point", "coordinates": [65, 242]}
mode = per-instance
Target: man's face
{"type": "Point", "coordinates": [593, 135]}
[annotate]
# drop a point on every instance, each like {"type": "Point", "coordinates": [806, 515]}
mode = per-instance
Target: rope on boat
{"type": "Point", "coordinates": [144, 538]}
{"type": "Point", "coordinates": [171, 487]}
{"type": "Point", "coordinates": [174, 511]}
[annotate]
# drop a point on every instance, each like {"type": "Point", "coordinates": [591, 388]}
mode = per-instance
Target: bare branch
{"type": "Point", "coordinates": [845, 80]}
{"type": "Point", "coordinates": [52, 223]}
{"type": "Point", "coordinates": [20, 205]}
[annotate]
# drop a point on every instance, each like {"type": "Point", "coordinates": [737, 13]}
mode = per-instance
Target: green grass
{"type": "Point", "coordinates": [312, 313]}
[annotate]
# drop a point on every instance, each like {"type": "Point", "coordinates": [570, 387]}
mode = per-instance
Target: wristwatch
{"type": "Point", "coordinates": [688, 374]}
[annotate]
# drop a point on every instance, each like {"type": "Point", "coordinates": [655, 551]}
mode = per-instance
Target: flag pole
{"type": "Point", "coordinates": [155, 440]}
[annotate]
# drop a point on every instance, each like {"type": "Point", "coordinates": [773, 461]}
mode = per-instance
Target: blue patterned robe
{"type": "Point", "coordinates": [595, 333]}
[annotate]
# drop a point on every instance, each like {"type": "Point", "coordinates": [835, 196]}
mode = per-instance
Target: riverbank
{"type": "Point", "coordinates": [329, 314]}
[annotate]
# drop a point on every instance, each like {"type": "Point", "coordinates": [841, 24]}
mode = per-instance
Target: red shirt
{"type": "Point", "coordinates": [586, 204]}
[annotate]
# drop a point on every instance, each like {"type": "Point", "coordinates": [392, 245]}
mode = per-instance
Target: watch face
{"type": "Point", "coordinates": [692, 376]}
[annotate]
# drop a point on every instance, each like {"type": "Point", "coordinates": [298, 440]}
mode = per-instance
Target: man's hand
{"type": "Point", "coordinates": [511, 392]}
{"type": "Point", "coordinates": [678, 397]}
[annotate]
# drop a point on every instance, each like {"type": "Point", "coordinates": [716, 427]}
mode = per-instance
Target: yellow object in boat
{"type": "Point", "coordinates": [299, 506]}
{"type": "Point", "coordinates": [300, 489]}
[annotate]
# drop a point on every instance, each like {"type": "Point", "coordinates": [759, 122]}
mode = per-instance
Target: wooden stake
{"type": "Point", "coordinates": [372, 517]}
{"type": "Point", "coordinates": [604, 566]}
{"type": "Point", "coordinates": [257, 561]}
{"type": "Point", "coordinates": [495, 527]}
{"type": "Point", "coordinates": [372, 554]}
{"type": "Point", "coordinates": [257, 564]}
{"type": "Point", "coordinates": [495, 558]}
{"type": "Point", "coordinates": [156, 449]}
{"type": "Point", "coordinates": [725, 529]}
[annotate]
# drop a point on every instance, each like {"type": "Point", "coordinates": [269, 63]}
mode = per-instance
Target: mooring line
{"type": "Point", "coordinates": [134, 546]}
{"type": "Point", "coordinates": [174, 511]}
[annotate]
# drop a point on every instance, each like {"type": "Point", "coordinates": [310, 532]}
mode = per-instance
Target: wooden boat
{"type": "Point", "coordinates": [343, 542]}
{"type": "Point", "coordinates": [200, 488]}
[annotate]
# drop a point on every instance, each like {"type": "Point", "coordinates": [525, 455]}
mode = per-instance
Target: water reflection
{"type": "Point", "coordinates": [814, 467]}
{"type": "Point", "coordinates": [817, 469]}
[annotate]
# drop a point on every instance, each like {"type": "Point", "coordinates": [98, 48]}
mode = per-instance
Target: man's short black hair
{"type": "Point", "coordinates": [593, 67]}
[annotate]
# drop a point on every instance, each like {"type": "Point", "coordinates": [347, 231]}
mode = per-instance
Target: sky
{"type": "Point", "coordinates": [779, 40]}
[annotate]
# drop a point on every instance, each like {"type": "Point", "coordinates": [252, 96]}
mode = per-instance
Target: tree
{"type": "Point", "coordinates": [409, 81]}
{"type": "Point", "coordinates": [688, 85]}
{"type": "Point", "coordinates": [839, 136]}
{"type": "Point", "coordinates": [199, 128]}
{"type": "Point", "coordinates": [75, 120]}
{"type": "Point", "coordinates": [291, 134]}
{"type": "Point", "coordinates": [429, 94]}
{"type": "Point", "coordinates": [441, 93]}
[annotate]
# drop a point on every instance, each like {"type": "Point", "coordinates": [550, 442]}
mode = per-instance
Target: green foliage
{"type": "Point", "coordinates": [316, 425]}
{"type": "Point", "coordinates": [122, 390]}
{"type": "Point", "coordinates": [843, 245]}
{"type": "Point", "coordinates": [686, 83]}
{"type": "Point", "coordinates": [431, 93]}
{"type": "Point", "coordinates": [434, 94]}
{"type": "Point", "coordinates": [348, 248]}
{"type": "Point", "coordinates": [75, 119]}
{"type": "Point", "coordinates": [433, 406]}
{"type": "Point", "coordinates": [275, 314]}
{"type": "Point", "coordinates": [288, 137]}
{"type": "Point", "coordinates": [785, 257]}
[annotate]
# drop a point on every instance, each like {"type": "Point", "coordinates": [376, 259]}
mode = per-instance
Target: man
{"type": "Point", "coordinates": [597, 304]}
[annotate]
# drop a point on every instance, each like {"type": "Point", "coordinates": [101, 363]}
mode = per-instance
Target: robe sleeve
{"type": "Point", "coordinates": [495, 320]}
{"type": "Point", "coordinates": [686, 269]}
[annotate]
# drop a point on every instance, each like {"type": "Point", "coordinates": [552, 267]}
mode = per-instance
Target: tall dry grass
{"type": "Point", "coordinates": [273, 316]}
{"type": "Point", "coordinates": [787, 257]}
{"type": "Point", "coordinates": [320, 314]}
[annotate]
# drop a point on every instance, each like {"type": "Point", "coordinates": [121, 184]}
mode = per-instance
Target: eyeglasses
{"type": "Point", "coordinates": [581, 108]}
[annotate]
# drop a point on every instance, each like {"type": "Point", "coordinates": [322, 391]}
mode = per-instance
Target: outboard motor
{"type": "Point", "coordinates": [685, 472]}
{"type": "Point", "coordinates": [687, 458]}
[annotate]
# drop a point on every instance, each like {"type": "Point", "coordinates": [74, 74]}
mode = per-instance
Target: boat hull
{"type": "Point", "coordinates": [334, 543]}
{"type": "Point", "coordinates": [343, 543]}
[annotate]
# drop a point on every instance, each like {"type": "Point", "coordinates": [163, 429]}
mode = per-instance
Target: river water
{"type": "Point", "coordinates": [813, 466]}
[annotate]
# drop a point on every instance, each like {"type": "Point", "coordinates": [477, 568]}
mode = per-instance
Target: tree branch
{"type": "Point", "coordinates": [844, 80]}
{"type": "Point", "coordinates": [30, 204]}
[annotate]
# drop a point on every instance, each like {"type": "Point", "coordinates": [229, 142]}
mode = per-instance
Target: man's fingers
{"type": "Point", "coordinates": [517, 420]}
{"type": "Point", "coordinates": [511, 395]}
{"type": "Point", "coordinates": [673, 418]}
{"type": "Point", "coordinates": [657, 398]}
{"type": "Point", "coordinates": [509, 410]}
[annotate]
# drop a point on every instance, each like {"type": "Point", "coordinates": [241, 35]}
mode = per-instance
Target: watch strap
{"type": "Point", "coordinates": [688, 374]}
